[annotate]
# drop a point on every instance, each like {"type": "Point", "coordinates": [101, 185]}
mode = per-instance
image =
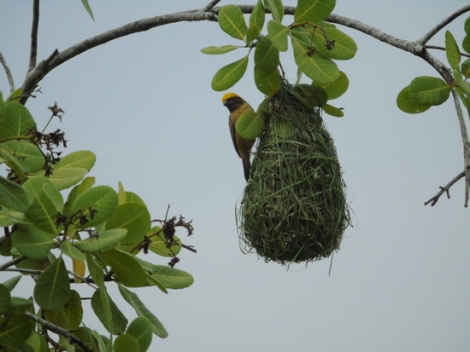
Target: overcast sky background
{"type": "Point", "coordinates": [144, 105]}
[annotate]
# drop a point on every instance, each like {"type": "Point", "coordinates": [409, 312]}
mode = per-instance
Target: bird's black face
{"type": "Point", "coordinates": [233, 103]}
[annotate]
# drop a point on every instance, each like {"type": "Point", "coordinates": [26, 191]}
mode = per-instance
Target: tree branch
{"type": "Point", "coordinates": [445, 189]}
{"type": "Point", "coordinates": [34, 36]}
{"type": "Point", "coordinates": [8, 73]}
{"type": "Point", "coordinates": [15, 261]}
{"type": "Point", "coordinates": [58, 330]}
{"type": "Point", "coordinates": [436, 47]}
{"type": "Point", "coordinates": [45, 66]}
{"type": "Point", "coordinates": [209, 6]}
{"type": "Point", "coordinates": [424, 39]}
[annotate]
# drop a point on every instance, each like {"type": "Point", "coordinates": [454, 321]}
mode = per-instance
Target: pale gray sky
{"type": "Point", "coordinates": [144, 105]}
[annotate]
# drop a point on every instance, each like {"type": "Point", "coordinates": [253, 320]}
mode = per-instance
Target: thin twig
{"type": "Point", "coordinates": [58, 330]}
{"type": "Point", "coordinates": [424, 39]}
{"type": "Point", "coordinates": [34, 36]}
{"type": "Point", "coordinates": [8, 73]}
{"type": "Point", "coordinates": [445, 189]}
{"type": "Point", "coordinates": [465, 142]}
{"type": "Point", "coordinates": [436, 47]}
{"type": "Point", "coordinates": [15, 261]}
{"type": "Point", "coordinates": [209, 6]}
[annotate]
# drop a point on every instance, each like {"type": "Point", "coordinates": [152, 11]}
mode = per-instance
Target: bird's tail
{"type": "Point", "coordinates": [246, 168]}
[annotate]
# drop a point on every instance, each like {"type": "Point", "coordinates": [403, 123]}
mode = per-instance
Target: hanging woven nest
{"type": "Point", "coordinates": [294, 206]}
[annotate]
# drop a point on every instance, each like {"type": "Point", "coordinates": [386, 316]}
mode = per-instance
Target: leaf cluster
{"type": "Point", "coordinates": [63, 230]}
{"type": "Point", "coordinates": [424, 92]}
{"type": "Point", "coordinates": [315, 44]}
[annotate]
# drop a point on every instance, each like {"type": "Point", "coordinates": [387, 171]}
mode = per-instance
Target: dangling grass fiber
{"type": "Point", "coordinates": [294, 206]}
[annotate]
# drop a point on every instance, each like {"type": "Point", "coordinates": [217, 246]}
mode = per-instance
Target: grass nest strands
{"type": "Point", "coordinates": [294, 206]}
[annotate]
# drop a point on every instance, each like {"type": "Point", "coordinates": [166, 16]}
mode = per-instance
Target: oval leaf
{"type": "Point", "coordinates": [409, 104]}
{"type": "Point", "coordinates": [142, 311]}
{"type": "Point", "coordinates": [452, 51]}
{"type": "Point", "coordinates": [277, 9]}
{"type": "Point", "coordinates": [94, 206]}
{"type": "Point", "coordinates": [429, 90]}
{"type": "Point", "coordinates": [256, 22]}
{"type": "Point", "coordinates": [135, 218]}
{"type": "Point", "coordinates": [268, 84]}
{"type": "Point", "coordinates": [228, 75]}
{"type": "Point", "coordinates": [15, 330]}
{"type": "Point", "coordinates": [108, 312]}
{"type": "Point", "coordinates": [333, 111]}
{"type": "Point", "coordinates": [266, 55]}
{"type": "Point", "coordinates": [13, 196]}
{"type": "Point", "coordinates": [278, 35]}
{"type": "Point", "coordinates": [126, 268]}
{"type": "Point", "coordinates": [250, 124]}
{"type": "Point", "coordinates": [52, 290]}
{"type": "Point", "coordinates": [18, 121]}
{"type": "Point", "coordinates": [317, 67]}
{"type": "Point", "coordinates": [217, 50]}
{"type": "Point", "coordinates": [232, 22]}
{"type": "Point", "coordinates": [336, 88]}
{"type": "Point", "coordinates": [336, 45]}
{"type": "Point", "coordinates": [313, 10]}
{"type": "Point", "coordinates": [32, 242]}
{"type": "Point", "coordinates": [141, 330]}
{"type": "Point", "coordinates": [102, 241]}
{"type": "Point", "coordinates": [126, 343]}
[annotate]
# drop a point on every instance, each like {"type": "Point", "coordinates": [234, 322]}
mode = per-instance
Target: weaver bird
{"type": "Point", "coordinates": [236, 105]}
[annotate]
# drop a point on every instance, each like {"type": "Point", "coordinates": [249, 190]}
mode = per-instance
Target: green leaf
{"type": "Point", "coordinates": [268, 84]}
{"type": "Point", "coordinates": [452, 51]}
{"type": "Point", "coordinates": [4, 299]}
{"type": "Point", "coordinates": [135, 218]}
{"type": "Point", "coordinates": [278, 35]}
{"type": "Point", "coordinates": [32, 242]}
{"type": "Point", "coordinates": [73, 311]}
{"type": "Point", "coordinates": [277, 9]}
{"type": "Point", "coordinates": [18, 121]}
{"type": "Point", "coordinates": [256, 22]}
{"type": "Point", "coordinates": [81, 159]}
{"type": "Point", "coordinates": [102, 241]}
{"type": "Point", "coordinates": [51, 191]}
{"type": "Point", "coordinates": [159, 246]}
{"type": "Point", "coordinates": [21, 303]}
{"type": "Point", "coordinates": [467, 25]}
{"type": "Point", "coordinates": [22, 156]}
{"type": "Point", "coordinates": [126, 268]}
{"type": "Point", "coordinates": [333, 111]}
{"type": "Point", "coordinates": [429, 90]}
{"type": "Point", "coordinates": [466, 43]}
{"type": "Point", "coordinates": [171, 278]}
{"type": "Point", "coordinates": [232, 22]}
{"type": "Point", "coordinates": [218, 50]}
{"type": "Point", "coordinates": [43, 210]}
{"type": "Point", "coordinates": [95, 271]}
{"type": "Point", "coordinates": [96, 206]}
{"type": "Point", "coordinates": [465, 68]}
{"type": "Point", "coordinates": [142, 311]}
{"type": "Point", "coordinates": [10, 217]}
{"type": "Point", "coordinates": [52, 290]}
{"type": "Point", "coordinates": [317, 67]}
{"type": "Point", "coordinates": [87, 7]}
{"type": "Point", "coordinates": [344, 47]}
{"type": "Point", "coordinates": [407, 103]}
{"type": "Point", "coordinates": [11, 283]}
{"type": "Point", "coordinates": [266, 56]}
{"type": "Point", "coordinates": [336, 88]}
{"type": "Point", "coordinates": [71, 251]}
{"type": "Point", "coordinates": [250, 124]}
{"type": "Point", "coordinates": [15, 329]}
{"type": "Point", "coordinates": [117, 322]}
{"type": "Point", "coordinates": [13, 196]}
{"type": "Point", "coordinates": [126, 343]}
{"type": "Point", "coordinates": [313, 10]}
{"type": "Point", "coordinates": [141, 330]}
{"type": "Point", "coordinates": [228, 75]}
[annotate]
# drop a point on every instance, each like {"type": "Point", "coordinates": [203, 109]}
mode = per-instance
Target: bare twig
{"type": "Point", "coordinates": [8, 73]}
{"type": "Point", "coordinates": [58, 330]}
{"type": "Point", "coordinates": [209, 6]}
{"type": "Point", "coordinates": [34, 36]}
{"type": "Point", "coordinates": [445, 189]}
{"type": "Point", "coordinates": [4, 267]}
{"type": "Point", "coordinates": [424, 39]}
{"type": "Point", "coordinates": [436, 47]}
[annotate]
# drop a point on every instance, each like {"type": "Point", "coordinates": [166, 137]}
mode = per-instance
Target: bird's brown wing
{"type": "Point", "coordinates": [231, 125]}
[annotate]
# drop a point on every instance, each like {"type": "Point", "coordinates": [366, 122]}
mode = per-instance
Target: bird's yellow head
{"type": "Point", "coordinates": [228, 96]}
